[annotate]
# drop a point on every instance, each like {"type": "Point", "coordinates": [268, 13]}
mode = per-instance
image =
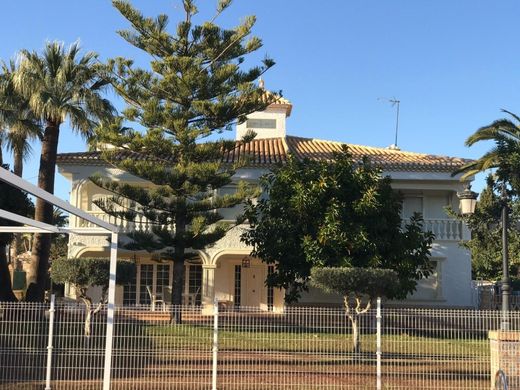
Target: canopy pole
{"type": "Point", "coordinates": [110, 311]}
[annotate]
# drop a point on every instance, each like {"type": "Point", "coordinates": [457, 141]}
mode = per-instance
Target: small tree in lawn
{"type": "Point", "coordinates": [338, 213]}
{"type": "Point", "coordinates": [83, 273]}
{"type": "Point", "coordinates": [356, 285]}
{"type": "Point", "coordinates": [195, 88]}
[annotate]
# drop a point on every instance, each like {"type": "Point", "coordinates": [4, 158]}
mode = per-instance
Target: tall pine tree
{"type": "Point", "coordinates": [195, 88]}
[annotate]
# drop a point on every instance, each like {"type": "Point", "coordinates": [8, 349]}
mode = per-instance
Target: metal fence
{"type": "Point", "coordinates": [301, 348]}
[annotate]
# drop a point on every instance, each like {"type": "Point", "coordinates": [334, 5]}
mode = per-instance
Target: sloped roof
{"type": "Point", "coordinates": [388, 159]}
{"type": "Point", "coordinates": [265, 152]}
{"type": "Point", "coordinates": [277, 101]}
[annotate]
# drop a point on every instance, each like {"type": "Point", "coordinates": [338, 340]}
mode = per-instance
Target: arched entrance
{"type": "Point", "coordinates": [239, 283]}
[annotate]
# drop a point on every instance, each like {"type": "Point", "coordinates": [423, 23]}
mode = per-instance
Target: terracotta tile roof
{"type": "Point", "coordinates": [388, 159]}
{"type": "Point", "coordinates": [279, 101]}
{"type": "Point", "coordinates": [259, 152]}
{"type": "Point", "coordinates": [262, 152]}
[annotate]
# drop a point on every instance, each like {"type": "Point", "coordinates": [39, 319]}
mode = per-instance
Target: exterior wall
{"type": "Point", "coordinates": [278, 114]}
{"type": "Point", "coordinates": [450, 286]}
{"type": "Point", "coordinates": [430, 192]}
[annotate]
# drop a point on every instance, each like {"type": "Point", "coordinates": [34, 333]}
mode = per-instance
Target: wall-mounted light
{"type": "Point", "coordinates": [246, 262]}
{"type": "Point", "coordinates": [135, 258]}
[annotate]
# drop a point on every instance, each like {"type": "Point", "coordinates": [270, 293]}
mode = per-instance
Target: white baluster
{"type": "Point", "coordinates": [139, 226]}
{"type": "Point", "coordinates": [459, 230]}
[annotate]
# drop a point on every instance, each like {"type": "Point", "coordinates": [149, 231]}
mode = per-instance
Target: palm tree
{"type": "Point", "coordinates": [505, 155]}
{"type": "Point", "coordinates": [19, 126]}
{"type": "Point", "coordinates": [17, 118]}
{"type": "Point", "coordinates": [60, 85]}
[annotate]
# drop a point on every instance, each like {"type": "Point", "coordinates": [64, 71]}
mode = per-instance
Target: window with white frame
{"type": "Point", "coordinates": [261, 123]}
{"type": "Point", "coordinates": [430, 288]}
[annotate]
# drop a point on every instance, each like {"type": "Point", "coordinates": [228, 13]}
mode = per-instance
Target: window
{"type": "Point", "coordinates": [195, 282]}
{"type": "Point", "coordinates": [129, 292]}
{"type": "Point", "coordinates": [411, 205]}
{"type": "Point", "coordinates": [146, 279]}
{"type": "Point", "coordinates": [261, 124]}
{"type": "Point", "coordinates": [270, 289]}
{"type": "Point", "coordinates": [162, 279]}
{"type": "Point", "coordinates": [238, 285]}
{"type": "Point", "coordinates": [430, 288]}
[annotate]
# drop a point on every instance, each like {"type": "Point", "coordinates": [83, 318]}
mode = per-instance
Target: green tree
{"type": "Point", "coordinates": [60, 85]}
{"type": "Point", "coordinates": [17, 120]}
{"type": "Point", "coordinates": [16, 202]}
{"type": "Point", "coordinates": [195, 88]}
{"type": "Point", "coordinates": [83, 273]}
{"type": "Point", "coordinates": [18, 125]}
{"type": "Point", "coordinates": [485, 244]}
{"type": "Point", "coordinates": [503, 157]}
{"type": "Point", "coordinates": [356, 285]}
{"type": "Point", "coordinates": [334, 214]}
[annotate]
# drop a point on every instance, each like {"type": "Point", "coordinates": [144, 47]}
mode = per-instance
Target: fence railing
{"type": "Point", "coordinates": [488, 295]}
{"type": "Point", "coordinates": [301, 348]}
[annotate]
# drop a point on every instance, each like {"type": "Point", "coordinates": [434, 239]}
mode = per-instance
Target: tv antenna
{"type": "Point", "coordinates": [395, 103]}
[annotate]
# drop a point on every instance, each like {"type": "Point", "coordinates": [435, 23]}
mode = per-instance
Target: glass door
{"type": "Point", "coordinates": [194, 288]}
{"type": "Point", "coordinates": [145, 280]}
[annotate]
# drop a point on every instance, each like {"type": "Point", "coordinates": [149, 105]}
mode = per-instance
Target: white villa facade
{"type": "Point", "coordinates": [226, 272]}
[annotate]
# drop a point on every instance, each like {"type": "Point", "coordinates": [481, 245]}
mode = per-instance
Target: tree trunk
{"type": "Point", "coordinates": [355, 334]}
{"type": "Point", "coordinates": [89, 313]}
{"type": "Point", "coordinates": [18, 162]}
{"type": "Point", "coordinates": [178, 267]}
{"type": "Point", "coordinates": [6, 287]}
{"type": "Point", "coordinates": [38, 277]}
{"type": "Point", "coordinates": [353, 315]}
{"type": "Point", "coordinates": [18, 170]}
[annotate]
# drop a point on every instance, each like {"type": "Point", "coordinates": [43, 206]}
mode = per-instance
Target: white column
{"type": "Point", "coordinates": [208, 288]}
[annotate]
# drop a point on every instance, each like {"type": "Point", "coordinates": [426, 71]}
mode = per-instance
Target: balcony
{"type": "Point", "coordinates": [444, 229]}
{"type": "Point", "coordinates": [139, 224]}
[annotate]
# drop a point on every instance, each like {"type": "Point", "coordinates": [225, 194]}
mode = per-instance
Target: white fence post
{"type": "Point", "coordinates": [49, 345]}
{"type": "Point", "coordinates": [378, 350]}
{"type": "Point", "coordinates": [215, 345]}
{"type": "Point", "coordinates": [110, 312]}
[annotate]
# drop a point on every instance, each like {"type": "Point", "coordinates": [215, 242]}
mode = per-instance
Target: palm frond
{"type": "Point", "coordinates": [505, 133]}
{"type": "Point", "coordinates": [62, 84]}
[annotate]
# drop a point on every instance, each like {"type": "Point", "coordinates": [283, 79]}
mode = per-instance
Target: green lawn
{"type": "Point", "coordinates": [199, 337]}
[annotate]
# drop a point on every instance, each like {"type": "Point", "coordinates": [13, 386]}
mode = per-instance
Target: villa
{"type": "Point", "coordinates": [226, 272]}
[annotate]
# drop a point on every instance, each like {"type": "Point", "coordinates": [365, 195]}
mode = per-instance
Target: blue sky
{"type": "Point", "coordinates": [452, 64]}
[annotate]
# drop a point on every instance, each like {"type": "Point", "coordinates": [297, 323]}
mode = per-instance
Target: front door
{"type": "Point", "coordinates": [252, 285]}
